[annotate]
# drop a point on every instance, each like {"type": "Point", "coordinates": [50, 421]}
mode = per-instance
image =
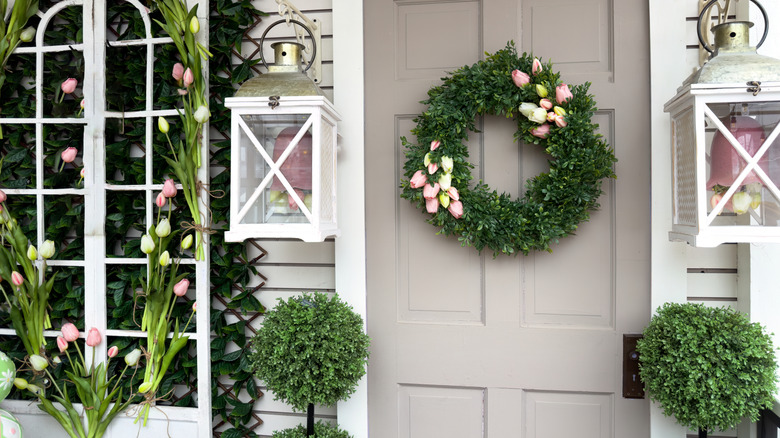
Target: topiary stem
{"type": "Point", "coordinates": [310, 421]}
{"type": "Point", "coordinates": [702, 433]}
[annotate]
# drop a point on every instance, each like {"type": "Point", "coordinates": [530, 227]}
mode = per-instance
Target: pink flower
{"type": "Point", "coordinates": [520, 78]}
{"type": "Point", "coordinates": [453, 193]}
{"type": "Point", "coordinates": [418, 180]}
{"type": "Point", "coordinates": [62, 344]}
{"type": "Point", "coordinates": [430, 191]}
{"type": "Point", "coordinates": [195, 306]}
{"type": "Point", "coordinates": [3, 196]}
{"type": "Point", "coordinates": [82, 173]}
{"type": "Point", "coordinates": [169, 188]}
{"type": "Point", "coordinates": [93, 337]}
{"type": "Point", "coordinates": [181, 91]}
{"type": "Point", "coordinates": [432, 168]}
{"type": "Point", "coordinates": [536, 67]}
{"type": "Point", "coordinates": [69, 85]}
{"type": "Point", "coordinates": [562, 93]}
{"type": "Point", "coordinates": [161, 200]}
{"type": "Point", "coordinates": [82, 104]}
{"type": "Point", "coordinates": [541, 131]}
{"type": "Point", "coordinates": [178, 71]}
{"type": "Point", "coordinates": [180, 288]}
{"type": "Point", "coordinates": [188, 78]}
{"type": "Point", "coordinates": [456, 209]}
{"type": "Point", "coordinates": [551, 116]}
{"type": "Point", "coordinates": [16, 278]}
{"type": "Point", "coordinates": [546, 104]}
{"type": "Point", "coordinates": [435, 145]}
{"type": "Point", "coordinates": [432, 205]}
{"type": "Point", "coordinates": [69, 154]}
{"type": "Point", "coordinates": [112, 352]}
{"type": "Point", "coordinates": [70, 332]}
{"type": "Point", "coordinates": [560, 122]}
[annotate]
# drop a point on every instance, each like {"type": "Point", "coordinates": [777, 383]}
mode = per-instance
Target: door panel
{"type": "Point", "coordinates": [528, 346]}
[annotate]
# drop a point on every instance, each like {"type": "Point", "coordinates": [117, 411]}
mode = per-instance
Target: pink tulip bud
{"type": "Point", "coordinates": [430, 191]}
{"type": "Point", "coordinates": [536, 68]}
{"type": "Point", "coordinates": [70, 332]}
{"type": "Point", "coordinates": [546, 104]}
{"type": "Point", "coordinates": [520, 78]}
{"type": "Point", "coordinates": [3, 196]}
{"type": "Point", "coordinates": [180, 288]}
{"type": "Point", "coordinates": [435, 145]}
{"type": "Point", "coordinates": [62, 344]}
{"type": "Point", "coordinates": [112, 352]}
{"type": "Point", "coordinates": [418, 180]}
{"type": "Point", "coordinates": [560, 121]}
{"type": "Point", "coordinates": [562, 93]}
{"type": "Point", "coordinates": [169, 188]}
{"type": "Point", "coordinates": [93, 337]}
{"type": "Point", "coordinates": [456, 209]}
{"type": "Point", "coordinates": [453, 193]}
{"type": "Point", "coordinates": [161, 200]}
{"type": "Point", "coordinates": [195, 306]}
{"type": "Point", "coordinates": [82, 173]}
{"type": "Point", "coordinates": [541, 131]}
{"type": "Point", "coordinates": [82, 104]}
{"type": "Point", "coordinates": [69, 154]}
{"type": "Point", "coordinates": [432, 205]}
{"type": "Point", "coordinates": [551, 116]}
{"type": "Point", "coordinates": [69, 85]}
{"type": "Point", "coordinates": [188, 78]}
{"type": "Point", "coordinates": [178, 71]}
{"type": "Point", "coordinates": [181, 91]}
{"type": "Point", "coordinates": [432, 168]}
{"type": "Point", "coordinates": [16, 278]}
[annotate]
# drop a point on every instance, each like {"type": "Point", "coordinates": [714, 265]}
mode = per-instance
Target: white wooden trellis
{"type": "Point", "coordinates": [172, 421]}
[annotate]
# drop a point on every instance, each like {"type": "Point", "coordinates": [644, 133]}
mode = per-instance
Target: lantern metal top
{"type": "Point", "coordinates": [285, 77]}
{"type": "Point", "coordinates": [734, 60]}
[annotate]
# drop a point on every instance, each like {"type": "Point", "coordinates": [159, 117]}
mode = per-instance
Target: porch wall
{"type": "Point", "coordinates": [287, 267]}
{"type": "Point", "coordinates": [742, 276]}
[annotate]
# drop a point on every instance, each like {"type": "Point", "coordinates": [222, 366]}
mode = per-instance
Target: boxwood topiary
{"type": "Point", "coordinates": [310, 349]}
{"type": "Point", "coordinates": [708, 367]}
{"type": "Point", "coordinates": [321, 430]}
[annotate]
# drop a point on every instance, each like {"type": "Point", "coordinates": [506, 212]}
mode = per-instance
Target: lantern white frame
{"type": "Point", "coordinates": [322, 118]}
{"type": "Point", "coordinates": [194, 421]}
{"type": "Point", "coordinates": [688, 110]}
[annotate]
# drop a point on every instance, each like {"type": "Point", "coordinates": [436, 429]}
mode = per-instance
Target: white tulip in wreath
{"type": "Point", "coordinates": [550, 114]}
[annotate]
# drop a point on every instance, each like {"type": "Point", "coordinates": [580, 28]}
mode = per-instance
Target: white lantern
{"type": "Point", "coordinates": [725, 146]}
{"type": "Point", "coordinates": [283, 146]}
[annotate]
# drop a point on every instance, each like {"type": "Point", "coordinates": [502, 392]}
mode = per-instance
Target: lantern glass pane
{"type": "Point", "coordinates": [276, 141]}
{"type": "Point", "coordinates": [743, 168]}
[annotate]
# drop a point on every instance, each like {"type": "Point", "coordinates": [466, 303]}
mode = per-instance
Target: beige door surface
{"type": "Point", "coordinates": [465, 345]}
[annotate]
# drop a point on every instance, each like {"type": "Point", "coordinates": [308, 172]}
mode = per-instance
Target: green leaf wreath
{"type": "Point", "coordinates": [549, 114]}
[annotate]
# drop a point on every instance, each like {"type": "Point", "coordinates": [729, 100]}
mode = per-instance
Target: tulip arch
{"type": "Point", "coordinates": [549, 114]}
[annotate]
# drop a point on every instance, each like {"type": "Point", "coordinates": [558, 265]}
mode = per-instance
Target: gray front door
{"type": "Point", "coordinates": [465, 345]}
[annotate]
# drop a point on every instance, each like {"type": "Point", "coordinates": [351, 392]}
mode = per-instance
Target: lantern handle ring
{"type": "Point", "coordinates": [311, 37]}
{"type": "Point", "coordinates": [707, 8]}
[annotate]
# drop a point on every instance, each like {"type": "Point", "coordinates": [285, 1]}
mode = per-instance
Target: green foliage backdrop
{"type": "Point", "coordinates": [126, 76]}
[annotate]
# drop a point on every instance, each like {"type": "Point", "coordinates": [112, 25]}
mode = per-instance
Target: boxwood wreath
{"type": "Point", "coordinates": [552, 115]}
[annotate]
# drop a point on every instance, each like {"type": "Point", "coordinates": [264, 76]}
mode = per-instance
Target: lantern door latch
{"type": "Point", "coordinates": [755, 87]}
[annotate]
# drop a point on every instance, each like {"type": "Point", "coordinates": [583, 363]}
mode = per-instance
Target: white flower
{"type": "Point", "coordinates": [201, 114]}
{"type": "Point", "coordinates": [527, 108]}
{"type": "Point", "coordinates": [6, 379]}
{"type": "Point", "coordinates": [539, 115]}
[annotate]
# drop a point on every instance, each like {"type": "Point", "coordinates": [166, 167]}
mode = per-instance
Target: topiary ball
{"type": "Point", "coordinates": [321, 430]}
{"type": "Point", "coordinates": [310, 349]}
{"type": "Point", "coordinates": [708, 367]}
